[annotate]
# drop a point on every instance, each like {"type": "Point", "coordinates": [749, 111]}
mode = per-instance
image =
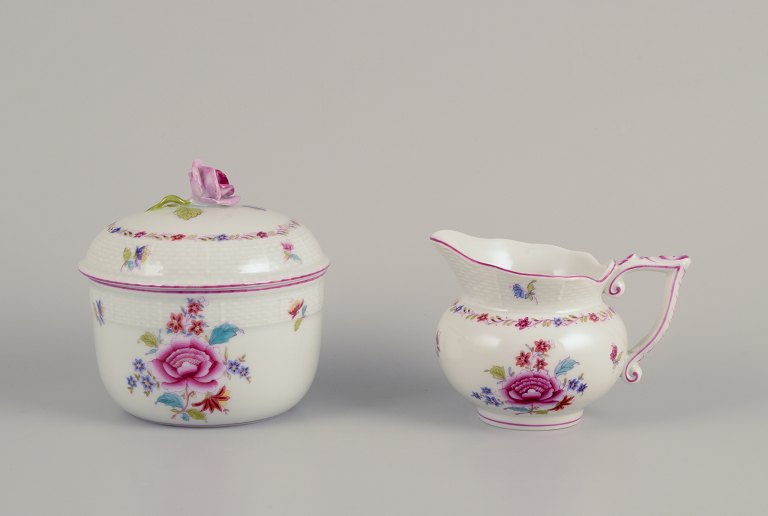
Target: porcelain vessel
{"type": "Point", "coordinates": [206, 312]}
{"type": "Point", "coordinates": [530, 341]}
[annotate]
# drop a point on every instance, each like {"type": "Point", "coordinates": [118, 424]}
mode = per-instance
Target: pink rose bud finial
{"type": "Point", "coordinates": [210, 185]}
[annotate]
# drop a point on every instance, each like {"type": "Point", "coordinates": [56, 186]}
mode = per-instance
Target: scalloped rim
{"type": "Point", "coordinates": [434, 238]}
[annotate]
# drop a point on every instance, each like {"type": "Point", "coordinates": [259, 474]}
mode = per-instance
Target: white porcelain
{"type": "Point", "coordinates": [531, 341]}
{"type": "Point", "coordinates": [206, 315]}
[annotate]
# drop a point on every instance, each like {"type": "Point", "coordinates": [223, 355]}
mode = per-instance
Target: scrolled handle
{"type": "Point", "coordinates": [674, 267]}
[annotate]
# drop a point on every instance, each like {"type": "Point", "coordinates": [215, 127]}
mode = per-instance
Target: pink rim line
{"type": "Point", "coordinates": [529, 274]}
{"type": "Point", "coordinates": [96, 278]}
{"type": "Point", "coordinates": [211, 289]}
{"type": "Point", "coordinates": [525, 424]}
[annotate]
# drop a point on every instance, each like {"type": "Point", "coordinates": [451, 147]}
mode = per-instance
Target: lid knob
{"type": "Point", "coordinates": [207, 242]}
{"type": "Point", "coordinates": [210, 185]}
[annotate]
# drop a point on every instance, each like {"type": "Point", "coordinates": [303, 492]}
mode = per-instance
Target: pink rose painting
{"type": "Point", "coordinates": [188, 374]}
{"type": "Point", "coordinates": [532, 388]}
{"type": "Point", "coordinates": [187, 364]}
{"type": "Point", "coordinates": [210, 185]}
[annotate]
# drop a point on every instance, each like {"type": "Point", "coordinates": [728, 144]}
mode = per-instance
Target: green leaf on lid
{"type": "Point", "coordinates": [186, 213]}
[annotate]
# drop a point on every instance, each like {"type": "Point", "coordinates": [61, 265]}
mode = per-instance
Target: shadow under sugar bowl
{"type": "Point", "coordinates": [206, 312]}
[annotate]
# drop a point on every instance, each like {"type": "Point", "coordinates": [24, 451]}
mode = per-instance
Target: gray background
{"type": "Point", "coordinates": [604, 126]}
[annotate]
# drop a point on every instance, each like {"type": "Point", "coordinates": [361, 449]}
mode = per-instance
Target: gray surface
{"type": "Point", "coordinates": [604, 126]}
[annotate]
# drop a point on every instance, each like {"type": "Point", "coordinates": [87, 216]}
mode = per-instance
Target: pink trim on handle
{"type": "Point", "coordinates": [673, 266]}
{"type": "Point", "coordinates": [652, 258]}
{"type": "Point", "coordinates": [528, 274]}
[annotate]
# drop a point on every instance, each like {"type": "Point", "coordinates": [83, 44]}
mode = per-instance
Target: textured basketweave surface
{"type": "Point", "coordinates": [247, 308]}
{"type": "Point", "coordinates": [221, 246]}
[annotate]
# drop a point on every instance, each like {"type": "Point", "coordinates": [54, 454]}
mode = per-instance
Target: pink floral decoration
{"type": "Point", "coordinates": [187, 363]}
{"type": "Point", "coordinates": [293, 311]}
{"type": "Point", "coordinates": [523, 323]}
{"type": "Point", "coordinates": [175, 323]}
{"type": "Point", "coordinates": [532, 388]}
{"type": "Point", "coordinates": [196, 327]}
{"type": "Point", "coordinates": [210, 185]}
{"type": "Point", "coordinates": [194, 307]}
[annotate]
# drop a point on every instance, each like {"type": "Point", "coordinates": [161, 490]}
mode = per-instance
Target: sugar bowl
{"type": "Point", "coordinates": [206, 311]}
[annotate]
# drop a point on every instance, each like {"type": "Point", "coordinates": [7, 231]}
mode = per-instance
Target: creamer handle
{"type": "Point", "coordinates": [674, 267]}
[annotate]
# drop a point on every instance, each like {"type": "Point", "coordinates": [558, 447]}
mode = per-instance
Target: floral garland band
{"type": "Point", "coordinates": [522, 323]}
{"type": "Point", "coordinates": [281, 230]}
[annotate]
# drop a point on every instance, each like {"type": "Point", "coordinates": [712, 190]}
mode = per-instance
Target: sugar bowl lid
{"type": "Point", "coordinates": [209, 243]}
